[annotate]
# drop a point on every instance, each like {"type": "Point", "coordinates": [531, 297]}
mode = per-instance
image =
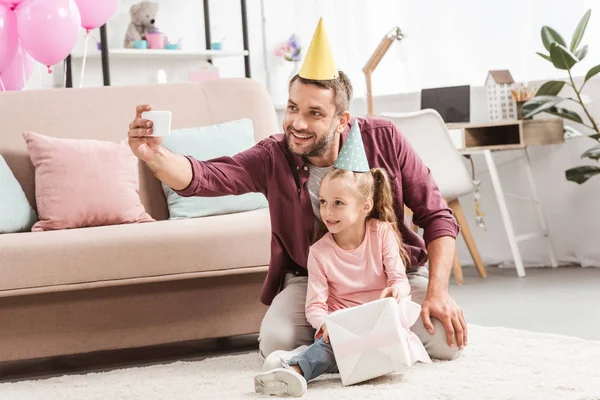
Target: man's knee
{"type": "Point", "coordinates": [283, 334]}
{"type": "Point", "coordinates": [273, 337]}
{"type": "Point", "coordinates": [284, 326]}
{"type": "Point", "coordinates": [437, 346]}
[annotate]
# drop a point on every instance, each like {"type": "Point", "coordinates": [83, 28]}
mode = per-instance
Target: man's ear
{"type": "Point", "coordinates": [343, 120]}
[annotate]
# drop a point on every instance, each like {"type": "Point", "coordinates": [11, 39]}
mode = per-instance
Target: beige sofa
{"type": "Point", "coordinates": [111, 287]}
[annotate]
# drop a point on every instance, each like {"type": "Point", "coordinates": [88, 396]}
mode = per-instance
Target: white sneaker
{"type": "Point", "coordinates": [280, 382]}
{"type": "Point", "coordinates": [281, 358]}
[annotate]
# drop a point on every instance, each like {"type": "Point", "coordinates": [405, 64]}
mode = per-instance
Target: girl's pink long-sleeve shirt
{"type": "Point", "coordinates": [339, 278]}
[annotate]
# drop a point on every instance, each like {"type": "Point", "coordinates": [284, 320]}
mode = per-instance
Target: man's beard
{"type": "Point", "coordinates": [317, 149]}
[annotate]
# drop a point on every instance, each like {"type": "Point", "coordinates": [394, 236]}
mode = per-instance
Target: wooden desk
{"type": "Point", "coordinates": [486, 138]}
{"type": "Point", "coordinates": [509, 134]}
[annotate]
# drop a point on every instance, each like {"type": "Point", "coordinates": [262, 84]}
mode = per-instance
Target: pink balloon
{"type": "Point", "coordinates": [48, 29]}
{"type": "Point", "coordinates": [95, 13]}
{"type": "Point", "coordinates": [11, 2]}
{"type": "Point", "coordinates": [9, 37]}
{"type": "Point", "coordinates": [13, 78]}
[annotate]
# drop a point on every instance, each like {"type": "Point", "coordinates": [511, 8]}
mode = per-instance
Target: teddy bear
{"type": "Point", "coordinates": [143, 16]}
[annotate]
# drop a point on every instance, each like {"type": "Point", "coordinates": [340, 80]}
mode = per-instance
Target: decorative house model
{"type": "Point", "coordinates": [501, 104]}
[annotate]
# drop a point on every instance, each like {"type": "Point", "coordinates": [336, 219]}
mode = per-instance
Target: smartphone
{"type": "Point", "coordinates": [161, 122]}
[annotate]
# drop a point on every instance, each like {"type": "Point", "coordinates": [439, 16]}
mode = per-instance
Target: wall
{"type": "Point", "coordinates": [445, 43]}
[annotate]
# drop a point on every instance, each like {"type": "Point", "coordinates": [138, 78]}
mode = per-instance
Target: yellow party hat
{"type": "Point", "coordinates": [318, 63]}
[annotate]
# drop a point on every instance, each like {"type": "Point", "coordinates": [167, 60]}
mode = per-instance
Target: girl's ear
{"type": "Point", "coordinates": [367, 206]}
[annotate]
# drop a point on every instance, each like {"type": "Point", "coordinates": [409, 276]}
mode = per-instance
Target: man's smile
{"type": "Point", "coordinates": [301, 136]}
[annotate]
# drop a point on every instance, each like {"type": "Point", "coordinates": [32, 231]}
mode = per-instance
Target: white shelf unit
{"type": "Point", "coordinates": [160, 54]}
{"type": "Point", "coordinates": [208, 54]}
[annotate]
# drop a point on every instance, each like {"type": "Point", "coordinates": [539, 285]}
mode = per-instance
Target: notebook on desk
{"type": "Point", "coordinates": [452, 103]}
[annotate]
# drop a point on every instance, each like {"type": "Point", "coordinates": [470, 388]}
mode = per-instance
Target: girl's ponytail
{"type": "Point", "coordinates": [383, 206]}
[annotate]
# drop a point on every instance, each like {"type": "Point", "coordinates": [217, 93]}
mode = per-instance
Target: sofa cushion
{"type": "Point", "coordinates": [83, 182]}
{"type": "Point", "coordinates": [16, 214]}
{"type": "Point", "coordinates": [205, 143]}
{"type": "Point", "coordinates": [128, 252]}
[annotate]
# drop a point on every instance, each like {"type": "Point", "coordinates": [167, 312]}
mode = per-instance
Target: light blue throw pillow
{"type": "Point", "coordinates": [16, 215]}
{"type": "Point", "coordinates": [205, 143]}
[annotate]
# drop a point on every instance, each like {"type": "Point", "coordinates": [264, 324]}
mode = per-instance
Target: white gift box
{"type": "Point", "coordinates": [374, 339]}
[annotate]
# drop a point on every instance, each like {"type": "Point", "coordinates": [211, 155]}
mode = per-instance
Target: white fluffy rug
{"type": "Point", "coordinates": [498, 364]}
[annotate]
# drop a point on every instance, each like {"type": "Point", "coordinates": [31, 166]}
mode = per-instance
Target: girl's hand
{"type": "Point", "coordinates": [325, 333]}
{"type": "Point", "coordinates": [390, 292]}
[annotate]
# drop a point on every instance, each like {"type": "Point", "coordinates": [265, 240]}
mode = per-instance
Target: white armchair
{"type": "Point", "coordinates": [427, 133]}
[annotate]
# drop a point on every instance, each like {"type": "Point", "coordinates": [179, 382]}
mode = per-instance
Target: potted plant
{"type": "Point", "coordinates": [547, 98]}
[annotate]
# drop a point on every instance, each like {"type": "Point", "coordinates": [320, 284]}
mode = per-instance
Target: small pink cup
{"type": "Point", "coordinates": [156, 40]}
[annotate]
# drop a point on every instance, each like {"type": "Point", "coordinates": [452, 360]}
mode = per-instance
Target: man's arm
{"type": "Point", "coordinates": [441, 255]}
{"type": "Point", "coordinates": [245, 172]}
{"type": "Point", "coordinates": [174, 170]}
{"type": "Point", "coordinates": [438, 302]}
{"type": "Point", "coordinates": [430, 212]}
{"type": "Point", "coordinates": [242, 173]}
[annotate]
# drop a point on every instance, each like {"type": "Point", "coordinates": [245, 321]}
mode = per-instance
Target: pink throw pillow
{"type": "Point", "coordinates": [82, 182]}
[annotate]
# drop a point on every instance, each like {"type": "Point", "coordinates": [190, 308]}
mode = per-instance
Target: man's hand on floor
{"type": "Point", "coordinates": [443, 307]}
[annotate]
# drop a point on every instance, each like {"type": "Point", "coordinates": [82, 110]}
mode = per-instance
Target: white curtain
{"type": "Point", "coordinates": [447, 42]}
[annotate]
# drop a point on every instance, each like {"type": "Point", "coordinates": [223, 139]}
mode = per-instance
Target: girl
{"type": "Point", "coordinates": [358, 259]}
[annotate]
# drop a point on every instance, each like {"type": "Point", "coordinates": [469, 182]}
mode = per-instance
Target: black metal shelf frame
{"type": "Point", "coordinates": [207, 38]}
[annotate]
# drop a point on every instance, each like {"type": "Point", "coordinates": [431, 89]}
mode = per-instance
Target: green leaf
{"type": "Point", "coordinates": [537, 100]}
{"type": "Point", "coordinates": [539, 104]}
{"type": "Point", "coordinates": [593, 71]}
{"type": "Point", "coordinates": [550, 36]}
{"type": "Point", "coordinates": [581, 174]}
{"type": "Point", "coordinates": [593, 153]}
{"type": "Point", "coordinates": [596, 136]}
{"type": "Point", "coordinates": [550, 88]}
{"type": "Point", "coordinates": [561, 57]}
{"type": "Point", "coordinates": [580, 30]}
{"type": "Point", "coordinates": [547, 57]}
{"type": "Point", "coordinates": [565, 113]}
{"type": "Point", "coordinates": [581, 53]}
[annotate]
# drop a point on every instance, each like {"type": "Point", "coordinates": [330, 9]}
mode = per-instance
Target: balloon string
{"type": "Point", "coordinates": [83, 62]}
{"type": "Point", "coordinates": [39, 69]}
{"type": "Point", "coordinates": [23, 66]}
{"type": "Point", "coordinates": [2, 84]}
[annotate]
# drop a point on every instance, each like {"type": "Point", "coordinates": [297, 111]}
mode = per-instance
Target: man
{"type": "Point", "coordinates": [287, 169]}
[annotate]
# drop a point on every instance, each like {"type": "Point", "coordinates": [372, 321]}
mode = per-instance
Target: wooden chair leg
{"type": "Point", "coordinates": [457, 269]}
{"type": "Point", "coordinates": [409, 212]}
{"type": "Point", "coordinates": [466, 232]}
